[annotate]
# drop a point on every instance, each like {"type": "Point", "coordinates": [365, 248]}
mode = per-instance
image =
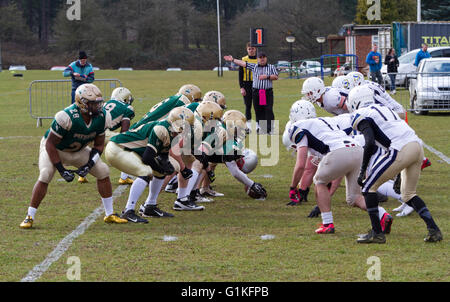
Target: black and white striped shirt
{"type": "Point", "coordinates": [262, 70]}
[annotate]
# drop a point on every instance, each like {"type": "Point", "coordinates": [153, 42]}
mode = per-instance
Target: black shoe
{"type": "Point", "coordinates": [172, 186]}
{"type": "Point", "coordinates": [131, 216]}
{"type": "Point", "coordinates": [371, 237]}
{"type": "Point", "coordinates": [433, 236]}
{"type": "Point", "coordinates": [187, 204]}
{"type": "Point", "coordinates": [152, 211]}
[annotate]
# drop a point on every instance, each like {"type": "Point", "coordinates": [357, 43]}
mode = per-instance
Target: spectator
{"type": "Point", "coordinates": [263, 76]}
{"type": "Point", "coordinates": [80, 71]}
{"type": "Point", "coordinates": [392, 63]}
{"type": "Point", "coordinates": [422, 54]}
{"type": "Point", "coordinates": [375, 63]}
{"type": "Point", "coordinates": [246, 82]}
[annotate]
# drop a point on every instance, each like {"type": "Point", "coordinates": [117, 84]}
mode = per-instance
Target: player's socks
{"type": "Point", "coordinates": [192, 181]}
{"type": "Point", "coordinates": [136, 190]}
{"type": "Point", "coordinates": [182, 192]}
{"type": "Point", "coordinates": [155, 188]}
{"type": "Point", "coordinates": [420, 207]}
{"type": "Point", "coordinates": [108, 205]}
{"type": "Point", "coordinates": [32, 212]}
{"type": "Point", "coordinates": [372, 208]}
{"type": "Point", "coordinates": [381, 212]}
{"type": "Point", "coordinates": [327, 218]}
{"type": "Point", "coordinates": [123, 175]}
{"type": "Point", "coordinates": [387, 189]}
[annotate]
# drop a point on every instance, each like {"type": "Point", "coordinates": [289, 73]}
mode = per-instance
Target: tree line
{"type": "Point", "coordinates": [157, 34]}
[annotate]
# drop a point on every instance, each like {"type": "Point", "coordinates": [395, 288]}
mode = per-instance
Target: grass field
{"type": "Point", "coordinates": [222, 243]}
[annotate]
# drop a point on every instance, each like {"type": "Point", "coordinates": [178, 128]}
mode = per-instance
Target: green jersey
{"type": "Point", "coordinates": [160, 110]}
{"type": "Point", "coordinates": [116, 112]}
{"type": "Point", "coordinates": [154, 134]}
{"type": "Point", "coordinates": [192, 106]}
{"type": "Point", "coordinates": [71, 128]}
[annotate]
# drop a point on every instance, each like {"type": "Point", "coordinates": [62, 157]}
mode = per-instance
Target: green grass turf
{"type": "Point", "coordinates": [222, 243]}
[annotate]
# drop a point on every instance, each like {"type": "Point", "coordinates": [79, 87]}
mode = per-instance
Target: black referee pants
{"type": "Point", "coordinates": [264, 113]}
{"type": "Point", "coordinates": [248, 100]}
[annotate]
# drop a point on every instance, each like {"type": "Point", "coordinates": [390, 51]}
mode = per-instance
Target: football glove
{"type": "Point", "coordinates": [294, 197]}
{"type": "Point", "coordinates": [361, 177]}
{"type": "Point", "coordinates": [186, 173]}
{"type": "Point", "coordinates": [303, 195]}
{"type": "Point", "coordinates": [165, 166]}
{"type": "Point", "coordinates": [211, 176]}
{"type": "Point", "coordinates": [314, 213]}
{"type": "Point", "coordinates": [66, 174]}
{"type": "Point", "coordinates": [259, 191]}
{"type": "Point", "coordinates": [93, 158]}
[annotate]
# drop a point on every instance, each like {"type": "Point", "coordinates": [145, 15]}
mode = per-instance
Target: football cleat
{"type": "Point", "coordinates": [426, 163]}
{"type": "Point", "coordinates": [186, 204]}
{"type": "Point", "coordinates": [171, 188]}
{"type": "Point", "coordinates": [114, 218]}
{"type": "Point", "coordinates": [127, 181]}
{"type": "Point", "coordinates": [208, 191]}
{"type": "Point", "coordinates": [325, 229]}
{"type": "Point", "coordinates": [400, 208]}
{"type": "Point", "coordinates": [82, 180]}
{"type": "Point", "coordinates": [371, 237]}
{"type": "Point", "coordinates": [152, 211]}
{"type": "Point", "coordinates": [131, 216]}
{"type": "Point", "coordinates": [27, 223]}
{"type": "Point", "coordinates": [433, 236]}
{"type": "Point", "coordinates": [386, 223]}
{"type": "Point", "coordinates": [406, 211]}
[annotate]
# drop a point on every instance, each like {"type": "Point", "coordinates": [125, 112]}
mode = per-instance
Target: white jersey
{"type": "Point", "coordinates": [319, 136]}
{"type": "Point", "coordinates": [343, 122]}
{"type": "Point", "coordinates": [391, 132]}
{"type": "Point", "coordinates": [382, 97]}
{"type": "Point", "coordinates": [333, 100]}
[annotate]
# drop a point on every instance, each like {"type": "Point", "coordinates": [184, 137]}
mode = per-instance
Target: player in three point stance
{"type": "Point", "coordinates": [65, 143]}
{"type": "Point", "coordinates": [379, 124]}
{"type": "Point", "coordinates": [340, 156]}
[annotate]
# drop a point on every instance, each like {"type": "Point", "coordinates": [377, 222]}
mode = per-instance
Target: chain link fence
{"type": "Point", "coordinates": [48, 97]}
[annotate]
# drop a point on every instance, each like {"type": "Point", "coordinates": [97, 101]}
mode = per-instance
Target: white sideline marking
{"type": "Point", "coordinates": [438, 153]}
{"type": "Point", "coordinates": [170, 238]}
{"type": "Point", "coordinates": [64, 244]}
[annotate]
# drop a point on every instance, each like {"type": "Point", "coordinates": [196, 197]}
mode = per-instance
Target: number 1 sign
{"type": "Point", "coordinates": [257, 37]}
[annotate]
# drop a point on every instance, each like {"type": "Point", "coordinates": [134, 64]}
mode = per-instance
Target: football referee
{"type": "Point", "coordinates": [246, 82]}
{"type": "Point", "coordinates": [263, 76]}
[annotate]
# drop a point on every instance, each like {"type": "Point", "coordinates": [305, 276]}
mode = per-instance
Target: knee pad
{"type": "Point", "coordinates": [46, 175]}
{"type": "Point", "coordinates": [100, 170]}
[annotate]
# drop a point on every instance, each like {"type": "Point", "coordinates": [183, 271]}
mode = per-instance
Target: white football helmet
{"type": "Point", "coordinates": [341, 82]}
{"type": "Point", "coordinates": [286, 140]}
{"type": "Point", "coordinates": [313, 88]}
{"type": "Point", "coordinates": [360, 97]}
{"type": "Point", "coordinates": [249, 162]}
{"type": "Point", "coordinates": [302, 110]}
{"type": "Point", "coordinates": [355, 78]}
{"type": "Point", "coordinates": [122, 94]}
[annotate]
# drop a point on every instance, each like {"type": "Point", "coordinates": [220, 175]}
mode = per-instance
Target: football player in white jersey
{"type": "Point", "coordinates": [329, 98]}
{"type": "Point", "coordinates": [341, 82]}
{"type": "Point", "coordinates": [340, 156]}
{"type": "Point", "coordinates": [380, 125]}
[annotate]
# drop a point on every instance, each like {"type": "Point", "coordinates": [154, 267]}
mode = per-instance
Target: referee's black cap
{"type": "Point", "coordinates": [262, 55]}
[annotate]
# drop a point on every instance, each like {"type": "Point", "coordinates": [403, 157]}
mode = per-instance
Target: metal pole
{"type": "Point", "coordinates": [0, 57]}
{"type": "Point", "coordinates": [220, 73]}
{"type": "Point", "coordinates": [419, 11]}
{"type": "Point", "coordinates": [290, 70]}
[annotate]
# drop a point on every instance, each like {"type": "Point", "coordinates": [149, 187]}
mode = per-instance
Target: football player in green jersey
{"type": "Point", "coordinates": [66, 143]}
{"type": "Point", "coordinates": [161, 110]}
{"type": "Point", "coordinates": [118, 114]}
{"type": "Point", "coordinates": [192, 92]}
{"type": "Point", "coordinates": [147, 152]}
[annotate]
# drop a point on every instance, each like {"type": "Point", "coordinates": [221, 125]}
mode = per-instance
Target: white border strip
{"type": "Point", "coordinates": [438, 153]}
{"type": "Point", "coordinates": [65, 244]}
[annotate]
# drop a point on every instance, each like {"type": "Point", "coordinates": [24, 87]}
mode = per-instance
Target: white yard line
{"type": "Point", "coordinates": [438, 153]}
{"type": "Point", "coordinates": [65, 244]}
